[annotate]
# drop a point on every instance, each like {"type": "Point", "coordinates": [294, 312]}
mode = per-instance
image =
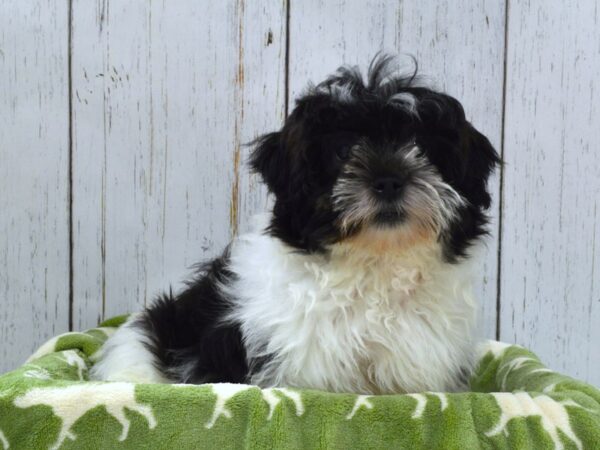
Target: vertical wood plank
{"type": "Point", "coordinates": [261, 95]}
{"type": "Point", "coordinates": [459, 45]}
{"type": "Point", "coordinates": [34, 176]}
{"type": "Point", "coordinates": [113, 161]}
{"type": "Point", "coordinates": [165, 94]}
{"type": "Point", "coordinates": [551, 233]}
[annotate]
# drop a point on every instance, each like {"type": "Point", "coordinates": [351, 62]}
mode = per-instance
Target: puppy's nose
{"type": "Point", "coordinates": [388, 188]}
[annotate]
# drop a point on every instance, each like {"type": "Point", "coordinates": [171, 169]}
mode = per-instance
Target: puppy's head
{"type": "Point", "coordinates": [376, 160]}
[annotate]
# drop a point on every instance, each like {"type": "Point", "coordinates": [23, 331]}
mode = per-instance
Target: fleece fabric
{"type": "Point", "coordinates": [515, 402]}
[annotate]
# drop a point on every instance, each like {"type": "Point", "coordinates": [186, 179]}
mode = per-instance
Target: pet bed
{"type": "Point", "coordinates": [515, 403]}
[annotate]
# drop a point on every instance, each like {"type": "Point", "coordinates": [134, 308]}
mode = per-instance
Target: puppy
{"type": "Point", "coordinates": [359, 280]}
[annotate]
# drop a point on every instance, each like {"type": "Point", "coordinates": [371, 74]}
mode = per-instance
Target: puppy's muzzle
{"type": "Point", "coordinates": [388, 189]}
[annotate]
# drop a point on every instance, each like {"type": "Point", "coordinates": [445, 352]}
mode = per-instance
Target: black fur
{"type": "Point", "coordinates": [300, 164]}
{"type": "Point", "coordinates": [187, 334]}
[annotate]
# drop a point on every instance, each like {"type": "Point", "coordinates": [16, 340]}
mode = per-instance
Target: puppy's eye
{"type": "Point", "coordinates": [341, 143]}
{"type": "Point", "coordinates": [343, 151]}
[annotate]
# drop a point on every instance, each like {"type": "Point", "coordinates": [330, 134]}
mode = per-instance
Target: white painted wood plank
{"type": "Point", "coordinates": [111, 157]}
{"type": "Point", "coordinates": [460, 45]}
{"type": "Point", "coordinates": [165, 95]}
{"type": "Point", "coordinates": [262, 95]}
{"type": "Point", "coordinates": [34, 162]}
{"type": "Point", "coordinates": [551, 224]}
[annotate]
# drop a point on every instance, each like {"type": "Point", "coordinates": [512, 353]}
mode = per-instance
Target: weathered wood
{"type": "Point", "coordinates": [165, 95]}
{"type": "Point", "coordinates": [550, 257]}
{"type": "Point", "coordinates": [34, 176]}
{"type": "Point", "coordinates": [262, 57]}
{"type": "Point", "coordinates": [459, 45]}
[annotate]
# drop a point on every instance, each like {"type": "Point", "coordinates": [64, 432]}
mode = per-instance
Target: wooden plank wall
{"type": "Point", "coordinates": [550, 270]}
{"type": "Point", "coordinates": [160, 112]}
{"type": "Point", "coordinates": [122, 161]}
{"type": "Point", "coordinates": [34, 176]}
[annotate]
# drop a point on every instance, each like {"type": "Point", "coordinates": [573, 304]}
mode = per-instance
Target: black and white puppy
{"type": "Point", "coordinates": [359, 280]}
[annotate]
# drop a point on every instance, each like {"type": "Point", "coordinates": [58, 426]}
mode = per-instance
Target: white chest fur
{"type": "Point", "coordinates": [353, 321]}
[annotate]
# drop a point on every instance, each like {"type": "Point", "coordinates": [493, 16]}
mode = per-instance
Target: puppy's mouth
{"type": "Point", "coordinates": [389, 217]}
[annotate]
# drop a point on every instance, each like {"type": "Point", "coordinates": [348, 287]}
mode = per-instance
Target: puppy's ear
{"type": "Point", "coordinates": [266, 160]}
{"type": "Point", "coordinates": [278, 156]}
{"type": "Point", "coordinates": [481, 160]}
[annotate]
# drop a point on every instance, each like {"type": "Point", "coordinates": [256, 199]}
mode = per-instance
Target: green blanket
{"type": "Point", "coordinates": [515, 403]}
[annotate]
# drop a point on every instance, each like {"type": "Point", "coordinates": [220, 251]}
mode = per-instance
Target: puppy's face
{"type": "Point", "coordinates": [377, 161]}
